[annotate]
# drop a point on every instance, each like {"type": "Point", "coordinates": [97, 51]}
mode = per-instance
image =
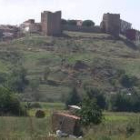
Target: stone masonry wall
{"type": "Point", "coordinates": [111, 24]}
{"type": "Point", "coordinates": [51, 23]}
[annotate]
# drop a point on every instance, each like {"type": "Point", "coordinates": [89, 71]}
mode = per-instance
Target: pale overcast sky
{"type": "Point", "coordinates": [17, 11]}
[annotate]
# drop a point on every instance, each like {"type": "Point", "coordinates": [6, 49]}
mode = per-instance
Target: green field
{"type": "Point", "coordinates": [115, 126]}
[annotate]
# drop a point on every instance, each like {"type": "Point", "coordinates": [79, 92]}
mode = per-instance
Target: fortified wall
{"type": "Point", "coordinates": [111, 24]}
{"type": "Point", "coordinates": [51, 23]}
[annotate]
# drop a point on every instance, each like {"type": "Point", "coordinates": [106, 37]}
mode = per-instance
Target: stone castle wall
{"type": "Point", "coordinates": [51, 23]}
{"type": "Point", "coordinates": [95, 29]}
{"type": "Point", "coordinates": [111, 24]}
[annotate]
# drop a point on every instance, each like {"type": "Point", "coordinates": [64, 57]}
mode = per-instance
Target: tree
{"type": "Point", "coordinates": [34, 85]}
{"type": "Point", "coordinates": [9, 103]}
{"type": "Point", "coordinates": [63, 21]}
{"type": "Point", "coordinates": [17, 80]}
{"type": "Point", "coordinates": [88, 23]}
{"type": "Point", "coordinates": [129, 81]}
{"type": "Point", "coordinates": [72, 22]}
{"type": "Point", "coordinates": [73, 98]}
{"type": "Point", "coordinates": [98, 95]}
{"type": "Point", "coordinates": [90, 112]}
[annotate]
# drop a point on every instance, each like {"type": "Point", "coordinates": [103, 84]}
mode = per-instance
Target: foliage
{"type": "Point", "coordinates": [88, 23]}
{"type": "Point", "coordinates": [73, 98]}
{"type": "Point", "coordinates": [71, 22]}
{"type": "Point", "coordinates": [125, 101]}
{"type": "Point", "coordinates": [17, 80]}
{"type": "Point", "coordinates": [90, 112]}
{"type": "Point", "coordinates": [9, 103]}
{"type": "Point", "coordinates": [63, 21]}
{"type": "Point", "coordinates": [98, 95]}
{"type": "Point", "coordinates": [129, 81]}
{"type": "Point", "coordinates": [40, 114]}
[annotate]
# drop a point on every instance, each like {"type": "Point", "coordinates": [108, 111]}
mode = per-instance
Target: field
{"type": "Point", "coordinates": [115, 126]}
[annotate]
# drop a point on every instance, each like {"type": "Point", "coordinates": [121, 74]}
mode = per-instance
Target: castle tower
{"type": "Point", "coordinates": [111, 24]}
{"type": "Point", "coordinates": [51, 23]}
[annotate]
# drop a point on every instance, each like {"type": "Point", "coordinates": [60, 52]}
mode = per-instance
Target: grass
{"type": "Point", "coordinates": [114, 126]}
{"type": "Point", "coordinates": [38, 52]}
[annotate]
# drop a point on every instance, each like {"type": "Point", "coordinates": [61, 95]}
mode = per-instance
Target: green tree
{"type": "Point", "coordinates": [63, 21]}
{"type": "Point", "coordinates": [88, 23]}
{"type": "Point", "coordinates": [73, 98]}
{"type": "Point", "coordinates": [90, 112]}
{"type": "Point", "coordinates": [9, 103]}
{"type": "Point", "coordinates": [98, 95]}
{"type": "Point", "coordinates": [17, 80]}
{"type": "Point", "coordinates": [72, 22]}
{"type": "Point", "coordinates": [129, 81]}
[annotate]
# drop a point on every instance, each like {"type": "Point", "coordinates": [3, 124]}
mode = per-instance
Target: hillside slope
{"type": "Point", "coordinates": [76, 59]}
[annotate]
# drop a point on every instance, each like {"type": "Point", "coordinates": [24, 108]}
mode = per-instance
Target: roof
{"type": "Point", "coordinates": [75, 107]}
{"type": "Point", "coordinates": [68, 115]}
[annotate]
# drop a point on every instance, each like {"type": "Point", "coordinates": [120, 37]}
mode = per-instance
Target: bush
{"type": "Point", "coordinates": [88, 23]}
{"type": "Point", "coordinates": [40, 114]}
{"type": "Point", "coordinates": [72, 22]}
{"type": "Point", "coordinates": [9, 103]}
{"type": "Point", "coordinates": [17, 80]}
{"type": "Point", "coordinates": [63, 21]}
{"type": "Point", "coordinates": [73, 98]}
{"type": "Point", "coordinates": [129, 102]}
{"type": "Point", "coordinates": [90, 112]}
{"type": "Point", "coordinates": [129, 81]}
{"type": "Point", "coordinates": [98, 95]}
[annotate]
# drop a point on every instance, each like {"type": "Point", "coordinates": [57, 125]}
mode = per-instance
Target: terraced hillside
{"type": "Point", "coordinates": [55, 64]}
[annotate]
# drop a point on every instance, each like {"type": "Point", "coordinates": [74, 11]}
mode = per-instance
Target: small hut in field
{"type": "Point", "coordinates": [69, 124]}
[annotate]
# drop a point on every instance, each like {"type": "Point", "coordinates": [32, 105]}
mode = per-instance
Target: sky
{"type": "Point", "coordinates": [17, 11]}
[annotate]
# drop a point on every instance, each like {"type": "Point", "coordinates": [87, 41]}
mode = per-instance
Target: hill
{"type": "Point", "coordinates": [55, 64]}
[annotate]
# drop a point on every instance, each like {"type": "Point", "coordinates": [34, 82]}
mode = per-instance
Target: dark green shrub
{"type": "Point", "coordinates": [63, 21]}
{"type": "Point", "coordinates": [98, 95]}
{"type": "Point", "coordinates": [72, 22]}
{"type": "Point", "coordinates": [73, 98]}
{"type": "Point", "coordinates": [90, 112]}
{"type": "Point", "coordinates": [40, 114]}
{"type": "Point", "coordinates": [9, 103]}
{"type": "Point", "coordinates": [88, 23]}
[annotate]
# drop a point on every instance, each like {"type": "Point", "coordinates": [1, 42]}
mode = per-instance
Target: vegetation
{"type": "Point", "coordinates": [90, 112]}
{"type": "Point", "coordinates": [46, 68]}
{"type": "Point", "coordinates": [9, 103]}
{"type": "Point", "coordinates": [88, 23]}
{"type": "Point", "coordinates": [73, 98]}
{"type": "Point", "coordinates": [71, 22]}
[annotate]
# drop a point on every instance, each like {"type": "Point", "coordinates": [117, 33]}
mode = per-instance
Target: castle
{"type": "Point", "coordinates": [51, 25]}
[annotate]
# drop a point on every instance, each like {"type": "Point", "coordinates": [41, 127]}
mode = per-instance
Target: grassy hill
{"type": "Point", "coordinates": [81, 59]}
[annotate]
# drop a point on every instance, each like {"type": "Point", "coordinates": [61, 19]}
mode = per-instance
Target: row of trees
{"type": "Point", "coordinates": [85, 23]}
{"type": "Point", "coordinates": [125, 100]}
